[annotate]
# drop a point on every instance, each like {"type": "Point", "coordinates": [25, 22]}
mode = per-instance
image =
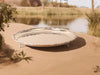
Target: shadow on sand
{"type": "Point", "coordinates": [77, 43]}
{"type": "Point", "coordinates": [5, 55]}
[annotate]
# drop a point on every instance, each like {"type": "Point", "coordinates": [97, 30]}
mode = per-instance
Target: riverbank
{"type": "Point", "coordinates": [53, 11]}
{"type": "Point", "coordinates": [80, 58]}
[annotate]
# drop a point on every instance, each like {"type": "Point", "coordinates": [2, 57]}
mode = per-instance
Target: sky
{"type": "Point", "coordinates": [81, 3]}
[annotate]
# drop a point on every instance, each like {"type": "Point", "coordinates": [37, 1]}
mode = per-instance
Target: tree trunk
{"type": "Point", "coordinates": [52, 2]}
{"type": "Point", "coordinates": [56, 3]}
{"type": "Point", "coordinates": [28, 2]}
{"type": "Point", "coordinates": [60, 3]}
{"type": "Point", "coordinates": [92, 5]}
{"type": "Point", "coordinates": [42, 2]}
{"type": "Point", "coordinates": [43, 5]}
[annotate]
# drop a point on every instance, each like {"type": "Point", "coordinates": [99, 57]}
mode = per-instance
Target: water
{"type": "Point", "coordinates": [75, 24]}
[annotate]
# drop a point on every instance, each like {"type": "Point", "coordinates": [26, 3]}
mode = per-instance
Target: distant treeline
{"type": "Point", "coordinates": [48, 3]}
{"type": "Point", "coordinates": [37, 3]}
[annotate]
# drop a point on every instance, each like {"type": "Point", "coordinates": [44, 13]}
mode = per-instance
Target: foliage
{"type": "Point", "coordinates": [55, 4]}
{"type": "Point", "coordinates": [94, 23]}
{"type": "Point", "coordinates": [0, 41]}
{"type": "Point", "coordinates": [6, 15]}
{"type": "Point", "coordinates": [10, 55]}
{"type": "Point", "coordinates": [21, 56]}
{"type": "Point", "coordinates": [48, 11]}
{"type": "Point", "coordinates": [25, 3]}
{"type": "Point", "coordinates": [93, 18]}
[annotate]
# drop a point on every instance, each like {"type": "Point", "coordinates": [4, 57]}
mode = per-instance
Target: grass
{"type": "Point", "coordinates": [94, 23]}
{"type": "Point", "coordinates": [48, 11]}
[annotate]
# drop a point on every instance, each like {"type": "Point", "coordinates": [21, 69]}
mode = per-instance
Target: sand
{"type": "Point", "coordinates": [79, 59]}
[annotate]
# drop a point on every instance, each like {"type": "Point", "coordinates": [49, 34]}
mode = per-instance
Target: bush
{"type": "Point", "coordinates": [55, 4]}
{"type": "Point", "coordinates": [94, 23]}
{"type": "Point", "coordinates": [1, 41]}
{"type": "Point", "coordinates": [6, 15]}
{"type": "Point", "coordinates": [93, 19]}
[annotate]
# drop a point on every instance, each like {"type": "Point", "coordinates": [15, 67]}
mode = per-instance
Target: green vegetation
{"type": "Point", "coordinates": [56, 4]}
{"type": "Point", "coordinates": [6, 15]}
{"type": "Point", "coordinates": [94, 24]}
{"type": "Point", "coordinates": [25, 3]}
{"type": "Point", "coordinates": [20, 56]}
{"type": "Point", "coordinates": [53, 11]}
{"type": "Point", "coordinates": [93, 18]}
{"type": "Point", "coordinates": [1, 40]}
{"type": "Point", "coordinates": [48, 11]}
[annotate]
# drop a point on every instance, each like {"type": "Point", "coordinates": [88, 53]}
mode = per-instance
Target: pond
{"type": "Point", "coordinates": [73, 23]}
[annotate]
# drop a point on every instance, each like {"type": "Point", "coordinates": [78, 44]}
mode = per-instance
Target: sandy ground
{"type": "Point", "coordinates": [79, 59]}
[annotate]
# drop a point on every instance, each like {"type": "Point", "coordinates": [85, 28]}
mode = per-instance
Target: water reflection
{"type": "Point", "coordinates": [57, 21]}
{"type": "Point", "coordinates": [29, 21]}
{"type": "Point", "coordinates": [47, 21]}
{"type": "Point", "coordinates": [79, 25]}
{"type": "Point", "coordinates": [75, 24]}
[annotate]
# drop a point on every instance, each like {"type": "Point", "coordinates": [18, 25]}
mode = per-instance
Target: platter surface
{"type": "Point", "coordinates": [44, 37]}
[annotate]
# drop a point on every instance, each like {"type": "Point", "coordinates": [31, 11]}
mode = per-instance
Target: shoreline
{"type": "Point", "coordinates": [54, 11]}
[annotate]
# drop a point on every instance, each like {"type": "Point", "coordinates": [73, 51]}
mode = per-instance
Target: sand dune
{"type": "Point", "coordinates": [79, 59]}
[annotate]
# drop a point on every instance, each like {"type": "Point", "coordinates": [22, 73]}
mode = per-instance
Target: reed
{"type": "Point", "coordinates": [48, 11]}
{"type": "Point", "coordinates": [94, 23]}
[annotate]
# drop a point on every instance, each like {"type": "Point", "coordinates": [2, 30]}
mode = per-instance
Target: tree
{"type": "Point", "coordinates": [42, 2]}
{"type": "Point", "coordinates": [60, 3]}
{"type": "Point", "coordinates": [6, 15]}
{"type": "Point", "coordinates": [52, 2]}
{"type": "Point", "coordinates": [92, 5]}
{"type": "Point", "coordinates": [25, 3]}
{"type": "Point", "coordinates": [56, 3]}
{"type": "Point", "coordinates": [28, 2]}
